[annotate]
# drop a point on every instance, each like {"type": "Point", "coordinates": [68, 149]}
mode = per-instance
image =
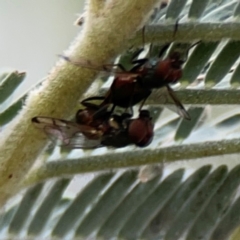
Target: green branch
{"type": "Point", "coordinates": [139, 157]}
{"type": "Point", "coordinates": [196, 96]}
{"type": "Point", "coordinates": [203, 96]}
{"type": "Point", "coordinates": [104, 35]}
{"type": "Point", "coordinates": [188, 32]}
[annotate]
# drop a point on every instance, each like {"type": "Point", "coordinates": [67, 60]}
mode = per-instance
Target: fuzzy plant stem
{"type": "Point", "coordinates": [140, 157]}
{"type": "Point", "coordinates": [106, 29]}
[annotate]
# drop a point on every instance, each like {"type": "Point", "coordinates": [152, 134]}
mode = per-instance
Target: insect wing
{"type": "Point", "coordinates": [105, 68]}
{"type": "Point", "coordinates": [66, 133]}
{"type": "Point", "coordinates": [80, 141]}
{"type": "Point", "coordinates": [172, 102]}
{"type": "Point", "coordinates": [180, 108]}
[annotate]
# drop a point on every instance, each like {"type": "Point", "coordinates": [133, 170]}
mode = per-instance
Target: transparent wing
{"type": "Point", "coordinates": [106, 68]}
{"type": "Point", "coordinates": [69, 134]}
{"type": "Point", "coordinates": [81, 141]}
{"type": "Point", "coordinates": [172, 102]}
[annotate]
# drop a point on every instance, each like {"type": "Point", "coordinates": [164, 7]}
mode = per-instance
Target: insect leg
{"type": "Point", "coordinates": [180, 108]}
{"type": "Point", "coordinates": [138, 51]}
{"type": "Point", "coordinates": [101, 112]}
{"type": "Point", "coordinates": [112, 109]}
{"type": "Point", "coordinates": [193, 45]}
{"type": "Point", "coordinates": [175, 28]}
{"type": "Point", "coordinates": [130, 111]}
{"type": "Point", "coordinates": [142, 104]}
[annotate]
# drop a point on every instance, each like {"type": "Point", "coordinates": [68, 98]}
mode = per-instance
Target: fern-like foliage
{"type": "Point", "coordinates": [165, 199]}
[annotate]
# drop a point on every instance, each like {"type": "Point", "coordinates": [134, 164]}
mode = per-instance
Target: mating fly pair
{"type": "Point", "coordinates": [97, 126]}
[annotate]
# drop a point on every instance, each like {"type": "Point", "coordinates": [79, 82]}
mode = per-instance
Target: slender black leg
{"type": "Point", "coordinates": [175, 28]}
{"type": "Point", "coordinates": [143, 36]}
{"type": "Point", "coordinates": [193, 45]}
{"type": "Point", "coordinates": [112, 109]}
{"type": "Point", "coordinates": [142, 104]}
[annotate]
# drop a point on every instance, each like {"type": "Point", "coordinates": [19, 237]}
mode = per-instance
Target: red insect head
{"type": "Point", "coordinates": [140, 130]}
